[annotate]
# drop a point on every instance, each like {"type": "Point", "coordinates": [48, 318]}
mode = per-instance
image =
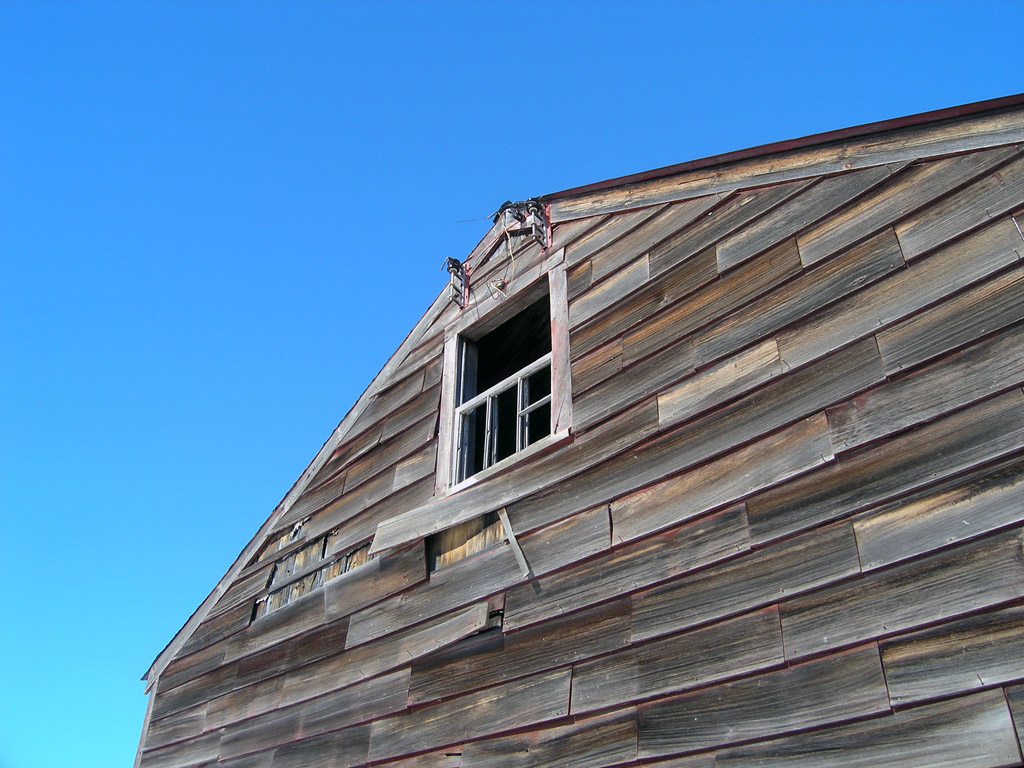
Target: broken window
{"type": "Point", "coordinates": [504, 390]}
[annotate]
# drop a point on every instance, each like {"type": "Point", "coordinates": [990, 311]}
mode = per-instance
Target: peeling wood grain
{"type": "Point", "coordinates": [882, 603]}
{"type": "Point", "coordinates": [298, 616]}
{"type": "Point", "coordinates": [610, 230]}
{"type": "Point", "coordinates": [605, 294]}
{"type": "Point", "coordinates": [748, 582]}
{"type": "Point", "coordinates": [828, 690]}
{"type": "Point", "coordinates": [373, 581]}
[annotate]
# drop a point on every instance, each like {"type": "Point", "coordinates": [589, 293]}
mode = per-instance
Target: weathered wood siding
{"type": "Point", "coordinates": [788, 529]}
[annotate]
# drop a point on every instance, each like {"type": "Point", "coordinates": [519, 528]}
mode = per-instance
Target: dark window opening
{"type": "Point", "coordinates": [504, 390]}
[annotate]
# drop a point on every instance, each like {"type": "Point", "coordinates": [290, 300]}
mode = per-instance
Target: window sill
{"type": "Point", "coordinates": [543, 445]}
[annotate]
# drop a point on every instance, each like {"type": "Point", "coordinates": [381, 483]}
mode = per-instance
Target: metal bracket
{"type": "Point", "coordinates": [526, 218]}
{"type": "Point", "coordinates": [458, 282]}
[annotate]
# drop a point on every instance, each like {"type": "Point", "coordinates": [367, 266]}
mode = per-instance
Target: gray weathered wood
{"type": "Point", "coordinates": [770, 461]}
{"type": "Point", "coordinates": [599, 298]}
{"type": "Point", "coordinates": [988, 307]}
{"type": "Point", "coordinates": [880, 604]}
{"type": "Point", "coordinates": [592, 743]}
{"type": "Point", "coordinates": [691, 660]}
{"type": "Point", "coordinates": [186, 724]}
{"type": "Point", "coordinates": [305, 649]}
{"type": "Point", "coordinates": [203, 688]}
{"type": "Point", "coordinates": [341, 749]}
{"type": "Point", "coordinates": [529, 701]}
{"type": "Point", "coordinates": [955, 658]}
{"type": "Point", "coordinates": [629, 568]}
{"type": "Point", "coordinates": [998, 193]}
{"type": "Point", "coordinates": [386, 454]}
{"type": "Point", "coordinates": [491, 658]}
{"type": "Point", "coordinates": [797, 214]}
{"type": "Point", "coordinates": [955, 443]}
{"type": "Point", "coordinates": [752, 581]}
{"type": "Point", "coordinates": [573, 539]}
{"type": "Point", "coordinates": [908, 191]}
{"type": "Point", "coordinates": [416, 466]}
{"type": "Point", "coordinates": [960, 509]}
{"type": "Point", "coordinates": [858, 267]}
{"type": "Point", "coordinates": [828, 690]}
{"type": "Point", "coordinates": [217, 628]}
{"type": "Point", "coordinates": [592, 369]}
{"type": "Point", "coordinates": [373, 581]}
{"type": "Point", "coordinates": [971, 732]}
{"type": "Point", "coordinates": [298, 616]}
{"type": "Point", "coordinates": [611, 229]}
{"type": "Point", "coordinates": [202, 750]}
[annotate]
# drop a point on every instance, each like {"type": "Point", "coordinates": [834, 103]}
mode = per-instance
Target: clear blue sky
{"type": "Point", "coordinates": [218, 220]}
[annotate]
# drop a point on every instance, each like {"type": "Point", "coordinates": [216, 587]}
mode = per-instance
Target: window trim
{"type": "Point", "coordinates": [485, 314]}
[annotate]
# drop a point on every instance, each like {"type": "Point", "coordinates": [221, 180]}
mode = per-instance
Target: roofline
{"type": "Point", "coordinates": [842, 134]}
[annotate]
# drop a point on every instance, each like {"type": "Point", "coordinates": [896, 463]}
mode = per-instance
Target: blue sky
{"type": "Point", "coordinates": [218, 220]}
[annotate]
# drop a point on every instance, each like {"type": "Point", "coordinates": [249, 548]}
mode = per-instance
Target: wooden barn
{"type": "Point", "coordinates": [716, 465]}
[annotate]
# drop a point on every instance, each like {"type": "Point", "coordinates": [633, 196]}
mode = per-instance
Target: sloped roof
{"type": "Point", "coordinates": [872, 146]}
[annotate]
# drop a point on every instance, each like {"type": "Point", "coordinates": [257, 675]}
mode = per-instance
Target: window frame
{"type": "Point", "coordinates": [474, 321]}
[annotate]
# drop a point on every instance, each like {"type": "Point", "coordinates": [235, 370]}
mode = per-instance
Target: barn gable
{"type": "Point", "coordinates": [777, 514]}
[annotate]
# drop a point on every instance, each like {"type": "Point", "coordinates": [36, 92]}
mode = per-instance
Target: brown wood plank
{"type": "Point", "coordinates": [797, 214]}
{"type": "Point", "coordinates": [1015, 698]}
{"type": "Point", "coordinates": [298, 616]}
{"type": "Point", "coordinates": [373, 500]}
{"type": "Point", "coordinates": [691, 660]}
{"type": "Point", "coordinates": [787, 399]}
{"type": "Point", "coordinates": [341, 749]}
{"type": "Point", "coordinates": [389, 452]}
{"type": "Point", "coordinates": [621, 284]}
{"type": "Point", "coordinates": [633, 384]}
{"type": "Point", "coordinates": [655, 230]}
{"type": "Point", "coordinates": [180, 726]}
{"type": "Point", "coordinates": [529, 701]}
{"type": "Point", "coordinates": [591, 743]}
{"type": "Point", "coordinates": [491, 658]}
{"type": "Point", "coordinates": [628, 568]}
{"type": "Point", "coordinates": [738, 210]}
{"type": "Point", "coordinates": [198, 691]}
{"type": "Point", "coordinates": [678, 283]}
{"type": "Point", "coordinates": [971, 732]}
{"type": "Point", "coordinates": [952, 382]}
{"type": "Point", "coordinates": [386, 401]}
{"type": "Point", "coordinates": [373, 581]}
{"type": "Point", "coordinates": [957, 510]}
{"type": "Point", "coordinates": [416, 466]}
{"type": "Point", "coordinates": [858, 267]}
{"type": "Point", "coordinates": [748, 582]}
{"type": "Point", "coordinates": [565, 233]}
{"type": "Point", "coordinates": [610, 230]}
{"type": "Point", "coordinates": [306, 648]}
{"type": "Point", "coordinates": [882, 603]}
{"type": "Point", "coordinates": [578, 280]}
{"type": "Point", "coordinates": [959, 657]}
{"type": "Point", "coordinates": [411, 413]}
{"type": "Point", "coordinates": [216, 628]}
{"type": "Point", "coordinates": [819, 692]}
{"type": "Point", "coordinates": [731, 378]}
{"type": "Point", "coordinates": [953, 444]}
{"type": "Point", "coordinates": [194, 752]}
{"type": "Point", "coordinates": [717, 299]}
{"type": "Point", "coordinates": [594, 368]}
{"type": "Point", "coordinates": [962, 319]}
{"type": "Point", "coordinates": [244, 589]}
{"type": "Point", "coordinates": [186, 668]}
{"type": "Point", "coordinates": [767, 462]}
{"type": "Point", "coordinates": [355, 704]}
{"type": "Point", "coordinates": [573, 539]}
{"type": "Point", "coordinates": [445, 758]}
{"type": "Point", "coordinates": [954, 267]}
{"type": "Point", "coordinates": [908, 191]}
{"type": "Point", "coordinates": [996, 194]}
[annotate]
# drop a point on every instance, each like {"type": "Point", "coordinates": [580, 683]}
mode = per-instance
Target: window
{"type": "Point", "coordinates": [504, 390]}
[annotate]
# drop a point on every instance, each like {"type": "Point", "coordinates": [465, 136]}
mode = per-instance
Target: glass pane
{"type": "Point", "coordinates": [504, 426]}
{"type": "Point", "coordinates": [470, 459]}
{"type": "Point", "coordinates": [538, 385]}
{"type": "Point", "coordinates": [537, 423]}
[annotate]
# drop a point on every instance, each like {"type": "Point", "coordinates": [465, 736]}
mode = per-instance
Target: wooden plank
{"type": "Point", "coordinates": [389, 452]}
{"type": "Point", "coordinates": [748, 582]}
{"type": "Point", "coordinates": [561, 373]}
{"type": "Point", "coordinates": [621, 284]}
{"type": "Point", "coordinates": [216, 628]}
{"type": "Point", "coordinates": [244, 589]}
{"type": "Point", "coordinates": [565, 233]}
{"type": "Point", "coordinates": [592, 369]}
{"type": "Point", "coordinates": [952, 444]}
{"type": "Point", "coordinates": [964, 377]}
{"type": "Point", "coordinates": [731, 291]}
{"type": "Point", "coordinates": [971, 732]}
{"type": "Point", "coordinates": [186, 668]}
{"type": "Point", "coordinates": [834, 279]}
{"type": "Point", "coordinates": [610, 230]}
{"type": "Point", "coordinates": [785, 400]}
{"type": "Point", "coordinates": [529, 701]}
{"type": "Point", "coordinates": [491, 658]}
{"type": "Point", "coordinates": [900, 295]}
{"type": "Point", "coordinates": [954, 658]}
{"type": "Point", "coordinates": [996, 194]}
{"type": "Point", "coordinates": [194, 752]}
{"type": "Point", "coordinates": [258, 760]}
{"type": "Point", "coordinates": [876, 148]}
{"type": "Point", "coordinates": [737, 211]}
{"type": "Point", "coordinates": [342, 749]}
{"type": "Point", "coordinates": [655, 230]}
{"type": "Point", "coordinates": [187, 724]}
{"type": "Point", "coordinates": [819, 692]}
{"type": "Point", "coordinates": [298, 616]}
{"type": "Point", "coordinates": [685, 278]}
{"type": "Point", "coordinates": [591, 743]}
{"type": "Point", "coordinates": [693, 659]}
{"type": "Point", "coordinates": [353, 509]}
{"type": "Point", "coordinates": [386, 401]}
{"type": "Point", "coordinates": [908, 191]}
{"type": "Point", "coordinates": [573, 539]}
{"type": "Point", "coordinates": [628, 569]}
{"type": "Point", "coordinates": [416, 466]}
{"type": "Point", "coordinates": [411, 413]}
{"type": "Point", "coordinates": [958, 510]}
{"type": "Point", "coordinates": [730, 378]}
{"type": "Point", "coordinates": [769, 461]}
{"type": "Point", "coordinates": [445, 758]}
{"type": "Point", "coordinates": [355, 704]}
{"type": "Point", "coordinates": [962, 319]}
{"type": "Point", "coordinates": [198, 691]}
{"type": "Point", "coordinates": [307, 648]}
{"type": "Point", "coordinates": [1015, 698]}
{"type": "Point", "coordinates": [578, 279]}
{"type": "Point", "coordinates": [634, 384]}
{"type": "Point", "coordinates": [373, 581]}
{"type": "Point", "coordinates": [880, 604]}
{"type": "Point", "coordinates": [798, 213]}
